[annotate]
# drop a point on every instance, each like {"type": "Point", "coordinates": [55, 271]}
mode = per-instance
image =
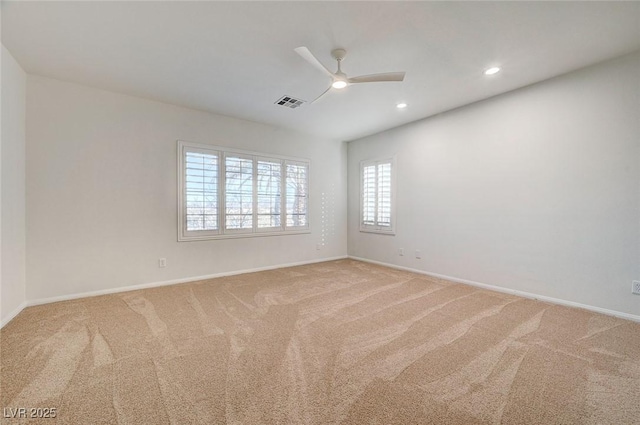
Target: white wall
{"type": "Point", "coordinates": [537, 190]}
{"type": "Point", "coordinates": [101, 192]}
{"type": "Point", "coordinates": [12, 188]}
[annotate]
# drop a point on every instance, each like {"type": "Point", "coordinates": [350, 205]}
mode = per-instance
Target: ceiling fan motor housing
{"type": "Point", "coordinates": [338, 54]}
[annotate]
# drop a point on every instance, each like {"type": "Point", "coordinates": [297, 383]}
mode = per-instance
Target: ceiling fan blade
{"type": "Point", "coordinates": [308, 56]}
{"type": "Point", "coordinates": [323, 93]}
{"type": "Point", "coordinates": [378, 78]}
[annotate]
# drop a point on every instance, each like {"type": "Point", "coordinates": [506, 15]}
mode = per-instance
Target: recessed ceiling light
{"type": "Point", "coordinates": [492, 71]}
{"type": "Point", "coordinates": [401, 105]}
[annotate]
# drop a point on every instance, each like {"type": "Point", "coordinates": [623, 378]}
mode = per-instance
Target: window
{"type": "Point", "coordinates": [377, 206]}
{"type": "Point", "coordinates": [297, 195]}
{"type": "Point", "coordinates": [229, 193]}
{"type": "Point", "coordinates": [201, 191]}
{"type": "Point", "coordinates": [270, 194]}
{"type": "Point", "coordinates": [238, 193]}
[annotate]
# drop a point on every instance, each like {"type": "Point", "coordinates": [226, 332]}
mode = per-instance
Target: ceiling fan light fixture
{"type": "Point", "coordinates": [339, 84]}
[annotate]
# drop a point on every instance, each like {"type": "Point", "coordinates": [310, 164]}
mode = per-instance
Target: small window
{"type": "Point", "coordinates": [229, 193]}
{"type": "Point", "coordinates": [377, 206]}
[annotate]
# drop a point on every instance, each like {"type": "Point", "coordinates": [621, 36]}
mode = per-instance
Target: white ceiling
{"type": "Point", "coordinates": [237, 58]}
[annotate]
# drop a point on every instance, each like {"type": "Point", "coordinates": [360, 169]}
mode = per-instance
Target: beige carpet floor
{"type": "Point", "coordinates": [330, 343]}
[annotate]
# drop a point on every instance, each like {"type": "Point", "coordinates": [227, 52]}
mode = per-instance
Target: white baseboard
{"type": "Point", "coordinates": [68, 297]}
{"type": "Point", "coordinates": [523, 294]}
{"type": "Point", "coordinates": [13, 314]}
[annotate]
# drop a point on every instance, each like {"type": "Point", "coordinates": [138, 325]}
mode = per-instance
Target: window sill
{"type": "Point", "coordinates": [183, 238]}
{"type": "Point", "coordinates": [378, 231]}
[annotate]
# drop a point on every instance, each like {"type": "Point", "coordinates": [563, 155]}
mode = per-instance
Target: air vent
{"type": "Point", "coordinates": [289, 102]}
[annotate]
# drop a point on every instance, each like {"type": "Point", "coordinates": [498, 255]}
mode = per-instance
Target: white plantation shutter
{"type": "Point", "coordinates": [383, 198]}
{"type": "Point", "coordinates": [228, 193]}
{"type": "Point", "coordinates": [201, 191]}
{"type": "Point", "coordinates": [269, 196]}
{"type": "Point", "coordinates": [297, 183]}
{"type": "Point", "coordinates": [238, 179]}
{"type": "Point", "coordinates": [377, 207]}
{"type": "Point", "coordinates": [369, 195]}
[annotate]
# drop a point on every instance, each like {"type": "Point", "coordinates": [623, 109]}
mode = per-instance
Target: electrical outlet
{"type": "Point", "coordinates": [162, 262]}
{"type": "Point", "coordinates": [418, 254]}
{"type": "Point", "coordinates": [401, 252]}
{"type": "Point", "coordinates": [635, 287]}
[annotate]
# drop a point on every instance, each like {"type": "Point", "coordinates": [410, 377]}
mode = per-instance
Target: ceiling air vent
{"type": "Point", "coordinates": [289, 102]}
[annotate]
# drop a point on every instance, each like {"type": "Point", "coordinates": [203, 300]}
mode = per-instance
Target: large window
{"type": "Point", "coordinates": [377, 206]}
{"type": "Point", "coordinates": [229, 193]}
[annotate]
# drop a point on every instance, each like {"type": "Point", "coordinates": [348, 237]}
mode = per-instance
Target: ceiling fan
{"type": "Point", "coordinates": [339, 79]}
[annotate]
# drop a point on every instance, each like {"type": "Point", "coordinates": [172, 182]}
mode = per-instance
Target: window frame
{"type": "Point", "coordinates": [222, 232]}
{"type": "Point", "coordinates": [376, 228]}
